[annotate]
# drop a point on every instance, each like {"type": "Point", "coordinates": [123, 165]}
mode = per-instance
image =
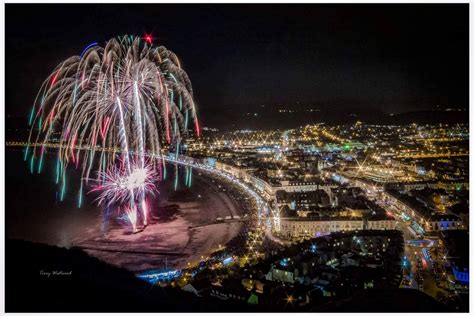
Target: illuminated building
{"type": "Point", "coordinates": [297, 228]}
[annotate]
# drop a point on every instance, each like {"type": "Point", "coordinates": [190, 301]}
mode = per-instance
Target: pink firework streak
{"type": "Point", "coordinates": [132, 217]}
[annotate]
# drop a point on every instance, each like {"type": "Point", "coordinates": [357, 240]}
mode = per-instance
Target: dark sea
{"type": "Point", "coordinates": [33, 210]}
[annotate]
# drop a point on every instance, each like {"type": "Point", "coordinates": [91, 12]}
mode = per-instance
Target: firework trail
{"type": "Point", "coordinates": [125, 100]}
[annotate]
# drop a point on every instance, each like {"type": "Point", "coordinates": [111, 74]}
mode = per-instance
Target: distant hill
{"type": "Point", "coordinates": [430, 117]}
{"type": "Point", "coordinates": [273, 118]}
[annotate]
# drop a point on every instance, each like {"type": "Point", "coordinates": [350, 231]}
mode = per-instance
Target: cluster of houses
{"type": "Point", "coordinates": [314, 270]}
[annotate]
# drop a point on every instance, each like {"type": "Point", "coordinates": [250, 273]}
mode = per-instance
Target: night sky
{"type": "Point", "coordinates": [394, 58]}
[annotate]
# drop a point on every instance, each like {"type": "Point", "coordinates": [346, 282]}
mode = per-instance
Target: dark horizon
{"type": "Point", "coordinates": [390, 58]}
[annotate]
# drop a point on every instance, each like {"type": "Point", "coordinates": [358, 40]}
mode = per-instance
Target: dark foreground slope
{"type": "Point", "coordinates": [81, 284]}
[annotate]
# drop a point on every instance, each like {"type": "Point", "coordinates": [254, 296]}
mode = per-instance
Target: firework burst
{"type": "Point", "coordinates": [110, 108]}
{"type": "Point", "coordinates": [116, 185]}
